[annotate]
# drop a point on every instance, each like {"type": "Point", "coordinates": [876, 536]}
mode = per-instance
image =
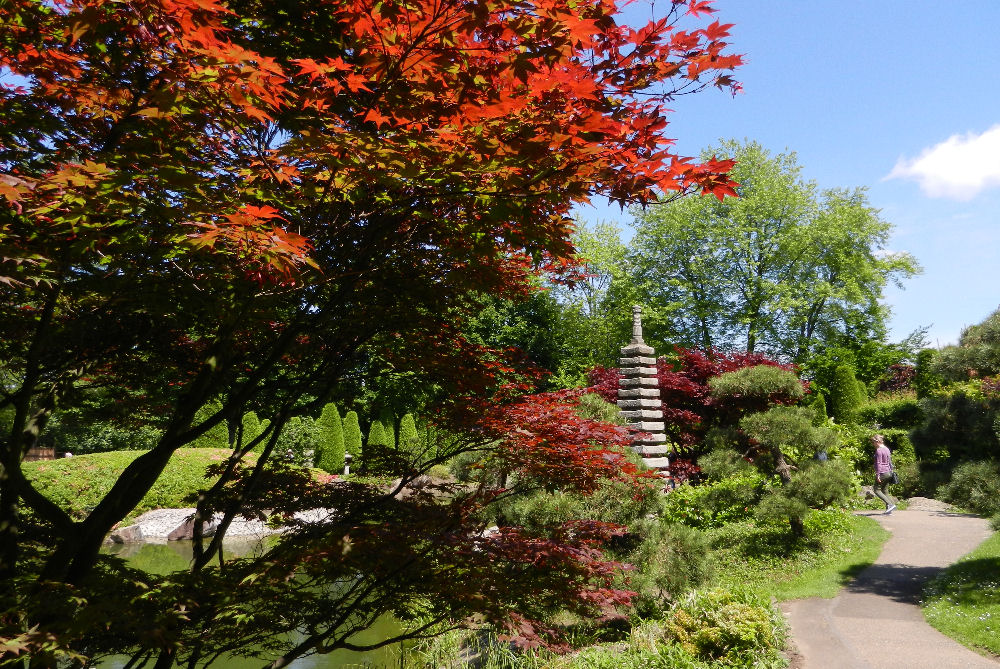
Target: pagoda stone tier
{"type": "Point", "coordinates": [639, 398]}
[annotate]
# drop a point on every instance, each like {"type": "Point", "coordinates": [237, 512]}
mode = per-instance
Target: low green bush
{"type": "Point", "coordinates": [727, 627]}
{"type": "Point", "coordinates": [777, 508]}
{"type": "Point", "coordinates": [715, 503]}
{"type": "Point", "coordinates": [854, 446]}
{"type": "Point", "coordinates": [723, 463]}
{"type": "Point", "coordinates": [974, 486]}
{"type": "Point", "coordinates": [670, 560]}
{"type": "Point", "coordinates": [761, 382]}
{"type": "Point", "coordinates": [822, 484]}
{"type": "Point", "coordinates": [595, 407]}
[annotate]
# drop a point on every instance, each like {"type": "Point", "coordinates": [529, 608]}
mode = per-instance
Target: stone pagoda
{"type": "Point", "coordinates": [639, 398]}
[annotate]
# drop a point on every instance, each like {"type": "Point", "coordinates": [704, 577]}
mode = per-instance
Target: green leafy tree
{"type": "Point", "coordinates": [977, 352]}
{"type": "Point", "coordinates": [249, 201]}
{"type": "Point", "coordinates": [780, 268]}
{"type": "Point", "coordinates": [926, 380]}
{"type": "Point", "coordinates": [594, 318]}
{"type": "Point", "coordinates": [330, 456]}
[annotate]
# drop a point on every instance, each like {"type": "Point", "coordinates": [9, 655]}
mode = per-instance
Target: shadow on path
{"type": "Point", "coordinates": [899, 582]}
{"type": "Point", "coordinates": [876, 621]}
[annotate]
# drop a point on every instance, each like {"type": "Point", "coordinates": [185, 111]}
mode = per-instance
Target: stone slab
{"type": "Point", "coordinates": [647, 403]}
{"type": "Point", "coordinates": [656, 463]}
{"type": "Point", "coordinates": [643, 413]}
{"type": "Point", "coordinates": [636, 361]}
{"type": "Point", "coordinates": [636, 350]}
{"type": "Point", "coordinates": [642, 381]}
{"type": "Point", "coordinates": [630, 393]}
{"type": "Point", "coordinates": [649, 450]}
{"type": "Point", "coordinates": [647, 426]}
{"type": "Point", "coordinates": [632, 372]}
{"type": "Point", "coordinates": [653, 438]}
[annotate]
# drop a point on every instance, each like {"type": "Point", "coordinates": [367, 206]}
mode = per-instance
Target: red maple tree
{"type": "Point", "coordinates": [249, 201]}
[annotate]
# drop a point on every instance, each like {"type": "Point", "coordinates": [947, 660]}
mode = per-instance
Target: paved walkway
{"type": "Point", "coordinates": [876, 621]}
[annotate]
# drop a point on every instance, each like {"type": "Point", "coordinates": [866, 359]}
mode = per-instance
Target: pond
{"type": "Point", "coordinates": [163, 558]}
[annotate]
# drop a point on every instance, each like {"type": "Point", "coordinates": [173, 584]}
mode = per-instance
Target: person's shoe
{"type": "Point", "coordinates": [892, 507]}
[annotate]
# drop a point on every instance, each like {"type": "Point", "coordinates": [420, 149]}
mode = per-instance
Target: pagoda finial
{"type": "Point", "coordinates": [637, 325]}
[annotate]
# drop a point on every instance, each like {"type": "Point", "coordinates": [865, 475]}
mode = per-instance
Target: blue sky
{"type": "Point", "coordinates": [902, 97]}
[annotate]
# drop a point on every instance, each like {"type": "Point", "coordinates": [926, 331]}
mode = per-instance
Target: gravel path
{"type": "Point", "coordinates": [876, 621]}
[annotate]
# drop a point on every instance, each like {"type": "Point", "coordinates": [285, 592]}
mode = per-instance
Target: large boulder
{"type": "Point", "coordinates": [185, 531]}
{"type": "Point", "coordinates": [132, 534]}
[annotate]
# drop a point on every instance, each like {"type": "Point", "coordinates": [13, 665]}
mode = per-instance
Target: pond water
{"type": "Point", "coordinates": [163, 558]}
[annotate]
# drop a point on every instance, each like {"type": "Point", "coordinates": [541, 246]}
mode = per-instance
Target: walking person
{"type": "Point", "coordinates": [883, 471]}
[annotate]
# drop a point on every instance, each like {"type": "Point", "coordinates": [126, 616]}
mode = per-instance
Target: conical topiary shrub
{"type": "Point", "coordinates": [330, 457]}
{"type": "Point", "coordinates": [388, 420]}
{"type": "Point", "coordinates": [218, 435]}
{"type": "Point", "coordinates": [252, 428]}
{"type": "Point", "coordinates": [409, 440]}
{"type": "Point", "coordinates": [352, 437]}
{"type": "Point", "coordinates": [845, 396]}
{"type": "Point", "coordinates": [378, 449]}
{"type": "Point", "coordinates": [819, 408]}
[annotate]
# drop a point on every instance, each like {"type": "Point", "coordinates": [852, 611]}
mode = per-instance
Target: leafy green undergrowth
{"type": "Point", "coordinates": [964, 601]}
{"type": "Point", "coordinates": [79, 483]}
{"type": "Point", "coordinates": [765, 559]}
{"type": "Point", "coordinates": [704, 630]}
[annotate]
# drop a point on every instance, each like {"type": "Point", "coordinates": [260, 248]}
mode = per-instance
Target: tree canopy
{"type": "Point", "coordinates": [255, 202]}
{"type": "Point", "coordinates": [779, 268]}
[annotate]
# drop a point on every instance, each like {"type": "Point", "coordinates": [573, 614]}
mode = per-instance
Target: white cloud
{"type": "Point", "coordinates": [957, 168]}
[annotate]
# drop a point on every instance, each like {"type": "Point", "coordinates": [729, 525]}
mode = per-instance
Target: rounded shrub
{"type": "Point", "coordinates": [899, 413]}
{"type": "Point", "coordinates": [727, 627]}
{"type": "Point", "coordinates": [761, 384]}
{"type": "Point", "coordinates": [717, 503]}
{"type": "Point", "coordinates": [722, 464]}
{"type": "Point", "coordinates": [352, 436]}
{"type": "Point", "coordinates": [974, 486]}
{"type": "Point", "coordinates": [670, 561]}
{"type": "Point", "coordinates": [252, 428]}
{"type": "Point", "coordinates": [218, 435]}
{"type": "Point", "coordinates": [595, 407]}
{"type": "Point", "coordinates": [822, 484]}
{"type": "Point", "coordinates": [777, 507]}
{"type": "Point", "coordinates": [819, 408]}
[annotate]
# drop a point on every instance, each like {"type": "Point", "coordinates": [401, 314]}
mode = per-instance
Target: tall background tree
{"type": "Point", "coordinates": [248, 202]}
{"type": "Point", "coordinates": [779, 269]}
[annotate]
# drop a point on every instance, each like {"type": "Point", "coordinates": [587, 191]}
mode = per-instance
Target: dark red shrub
{"type": "Point", "coordinates": [900, 377]}
{"type": "Point", "coordinates": [688, 407]}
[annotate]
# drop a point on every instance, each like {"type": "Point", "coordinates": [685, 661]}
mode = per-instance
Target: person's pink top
{"type": "Point", "coordinates": [883, 460]}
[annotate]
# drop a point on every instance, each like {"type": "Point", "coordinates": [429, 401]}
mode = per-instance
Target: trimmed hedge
{"type": "Point", "coordinates": [903, 413]}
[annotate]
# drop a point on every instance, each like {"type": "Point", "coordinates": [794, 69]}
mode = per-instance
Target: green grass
{"type": "Point", "coordinates": [766, 560]}
{"type": "Point", "coordinates": [77, 484]}
{"type": "Point", "coordinates": [964, 601]}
